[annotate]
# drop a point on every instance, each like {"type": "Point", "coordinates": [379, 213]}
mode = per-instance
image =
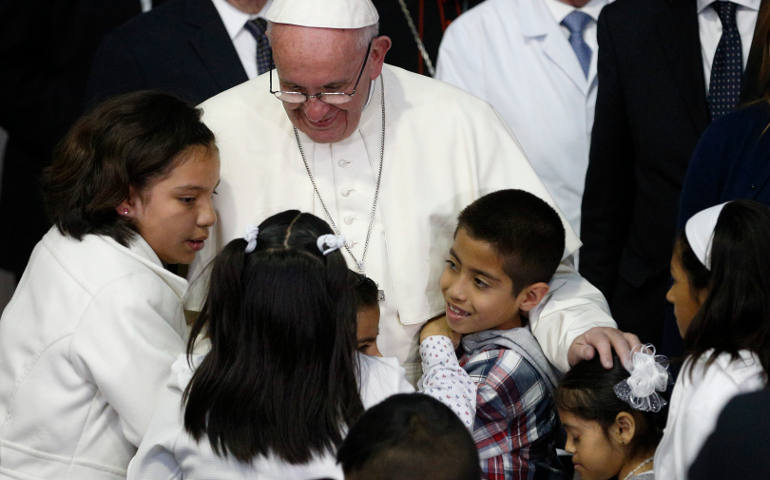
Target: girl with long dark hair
{"type": "Point", "coordinates": [721, 272]}
{"type": "Point", "coordinates": [278, 379]}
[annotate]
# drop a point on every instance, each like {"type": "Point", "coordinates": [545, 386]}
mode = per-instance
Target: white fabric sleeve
{"type": "Point", "coordinates": [571, 307]}
{"type": "Point", "coordinates": [125, 346]}
{"type": "Point", "coordinates": [444, 379]}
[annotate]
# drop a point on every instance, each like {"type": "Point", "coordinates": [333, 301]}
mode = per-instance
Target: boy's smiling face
{"type": "Point", "coordinates": [478, 293]}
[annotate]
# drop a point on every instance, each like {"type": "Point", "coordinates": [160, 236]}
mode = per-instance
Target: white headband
{"type": "Point", "coordinates": [699, 231]}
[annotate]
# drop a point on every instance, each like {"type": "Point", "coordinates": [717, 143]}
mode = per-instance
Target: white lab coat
{"type": "Point", "coordinates": [168, 452]}
{"type": "Point", "coordinates": [696, 403]}
{"type": "Point", "coordinates": [443, 149]}
{"type": "Point", "coordinates": [514, 55]}
{"type": "Point", "coordinates": [85, 345]}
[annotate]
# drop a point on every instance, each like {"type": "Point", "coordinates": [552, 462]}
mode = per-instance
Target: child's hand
{"type": "Point", "coordinates": [439, 326]}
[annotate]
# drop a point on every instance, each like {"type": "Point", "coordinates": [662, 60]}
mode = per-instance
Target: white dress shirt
{"type": "Point", "coordinates": [710, 28]}
{"type": "Point", "coordinates": [244, 43]}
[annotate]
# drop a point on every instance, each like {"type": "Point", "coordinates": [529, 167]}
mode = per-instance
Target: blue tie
{"type": "Point", "coordinates": [727, 69]}
{"type": "Point", "coordinates": [576, 22]}
{"type": "Point", "coordinates": [257, 28]}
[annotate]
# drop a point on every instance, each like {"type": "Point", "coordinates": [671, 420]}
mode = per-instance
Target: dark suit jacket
{"type": "Point", "coordinates": [181, 47]}
{"type": "Point", "coordinates": [738, 447]}
{"type": "Point", "coordinates": [45, 55]}
{"type": "Point", "coordinates": [650, 111]}
{"type": "Point", "coordinates": [731, 161]}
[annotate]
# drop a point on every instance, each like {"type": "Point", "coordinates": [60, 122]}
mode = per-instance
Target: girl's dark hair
{"type": "Point", "coordinates": [281, 375]}
{"type": "Point", "coordinates": [125, 142]}
{"type": "Point", "coordinates": [587, 392]}
{"type": "Point", "coordinates": [736, 312]}
{"type": "Point", "coordinates": [365, 290]}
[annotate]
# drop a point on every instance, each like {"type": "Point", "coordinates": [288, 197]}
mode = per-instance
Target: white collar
{"type": "Point", "coordinates": [560, 10]}
{"type": "Point", "coordinates": [750, 4]}
{"type": "Point", "coordinates": [233, 18]}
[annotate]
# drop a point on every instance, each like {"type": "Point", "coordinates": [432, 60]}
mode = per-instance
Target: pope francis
{"type": "Point", "coordinates": [388, 158]}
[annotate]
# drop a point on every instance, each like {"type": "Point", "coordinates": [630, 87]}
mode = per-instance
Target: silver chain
{"type": "Point", "coordinates": [420, 45]}
{"type": "Point", "coordinates": [359, 264]}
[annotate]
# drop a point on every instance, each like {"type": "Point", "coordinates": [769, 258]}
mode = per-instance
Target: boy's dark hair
{"type": "Point", "coordinates": [365, 290]}
{"type": "Point", "coordinates": [409, 437]}
{"type": "Point", "coordinates": [586, 391]}
{"type": "Point", "coordinates": [281, 374]}
{"type": "Point", "coordinates": [736, 312]}
{"type": "Point", "coordinates": [526, 232]}
{"type": "Point", "coordinates": [125, 142]}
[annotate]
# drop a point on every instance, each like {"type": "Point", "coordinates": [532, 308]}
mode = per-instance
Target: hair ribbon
{"type": "Point", "coordinates": [251, 238]}
{"type": "Point", "coordinates": [329, 242]}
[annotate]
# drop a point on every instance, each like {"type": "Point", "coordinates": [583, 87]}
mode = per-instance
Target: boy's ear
{"type": "Point", "coordinates": [624, 428]}
{"type": "Point", "coordinates": [532, 295]}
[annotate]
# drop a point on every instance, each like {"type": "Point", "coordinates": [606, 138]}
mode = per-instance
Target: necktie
{"type": "Point", "coordinates": [576, 22]}
{"type": "Point", "coordinates": [257, 28]}
{"type": "Point", "coordinates": [727, 69]}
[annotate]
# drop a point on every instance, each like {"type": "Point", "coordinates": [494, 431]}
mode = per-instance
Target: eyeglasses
{"type": "Point", "coordinates": [332, 98]}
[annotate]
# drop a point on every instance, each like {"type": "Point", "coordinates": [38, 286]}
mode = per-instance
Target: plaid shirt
{"type": "Point", "coordinates": [515, 416]}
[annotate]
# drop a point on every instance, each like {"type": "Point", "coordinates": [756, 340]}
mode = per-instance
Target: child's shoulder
{"type": "Point", "coordinates": [504, 356]}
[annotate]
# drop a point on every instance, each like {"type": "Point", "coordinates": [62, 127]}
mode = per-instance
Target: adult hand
{"type": "Point", "coordinates": [603, 340]}
{"type": "Point", "coordinates": [439, 326]}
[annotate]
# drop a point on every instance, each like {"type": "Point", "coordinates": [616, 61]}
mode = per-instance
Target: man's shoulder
{"type": "Point", "coordinates": [426, 94]}
{"type": "Point", "coordinates": [161, 20]}
{"type": "Point", "coordinates": [625, 10]}
{"type": "Point", "coordinates": [251, 99]}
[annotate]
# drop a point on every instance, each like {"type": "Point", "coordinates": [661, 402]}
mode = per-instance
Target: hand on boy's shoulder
{"type": "Point", "coordinates": [439, 326]}
{"type": "Point", "coordinates": [603, 340]}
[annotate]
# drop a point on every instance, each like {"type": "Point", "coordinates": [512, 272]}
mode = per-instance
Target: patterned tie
{"type": "Point", "coordinates": [257, 28]}
{"type": "Point", "coordinates": [727, 69]}
{"type": "Point", "coordinates": [576, 22]}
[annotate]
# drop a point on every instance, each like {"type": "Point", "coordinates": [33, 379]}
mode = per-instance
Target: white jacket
{"type": "Point", "coordinates": [696, 403]}
{"type": "Point", "coordinates": [85, 345]}
{"type": "Point", "coordinates": [514, 55]}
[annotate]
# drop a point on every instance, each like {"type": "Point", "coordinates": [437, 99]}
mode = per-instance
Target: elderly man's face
{"type": "Point", "coordinates": [313, 60]}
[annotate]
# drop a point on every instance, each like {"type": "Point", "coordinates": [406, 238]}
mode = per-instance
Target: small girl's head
{"type": "Point", "coordinates": [721, 270]}
{"type": "Point", "coordinates": [606, 434]}
{"type": "Point", "coordinates": [138, 163]}
{"type": "Point", "coordinates": [367, 313]}
{"type": "Point", "coordinates": [281, 375]}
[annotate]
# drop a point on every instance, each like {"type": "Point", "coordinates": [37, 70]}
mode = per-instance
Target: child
{"type": "Point", "coordinates": [96, 320]}
{"type": "Point", "coordinates": [613, 419]}
{"type": "Point", "coordinates": [507, 246]}
{"type": "Point", "coordinates": [281, 378]}
{"type": "Point", "coordinates": [721, 272]}
{"type": "Point", "coordinates": [409, 437]}
{"type": "Point", "coordinates": [367, 313]}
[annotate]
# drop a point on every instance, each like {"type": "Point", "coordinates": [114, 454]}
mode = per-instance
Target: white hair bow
{"type": "Point", "coordinates": [251, 238]}
{"type": "Point", "coordinates": [649, 376]}
{"type": "Point", "coordinates": [699, 230]}
{"type": "Point", "coordinates": [329, 242]}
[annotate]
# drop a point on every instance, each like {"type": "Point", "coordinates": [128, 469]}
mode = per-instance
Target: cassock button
{"type": "Point", "coordinates": [349, 219]}
{"type": "Point", "coordinates": [347, 191]}
{"type": "Point", "coordinates": [343, 163]}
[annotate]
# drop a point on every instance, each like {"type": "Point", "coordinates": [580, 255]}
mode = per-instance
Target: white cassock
{"type": "Point", "coordinates": [515, 55]}
{"type": "Point", "coordinates": [443, 149]}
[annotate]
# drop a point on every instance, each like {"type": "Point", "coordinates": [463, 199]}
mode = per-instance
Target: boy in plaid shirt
{"type": "Point", "coordinates": [506, 248]}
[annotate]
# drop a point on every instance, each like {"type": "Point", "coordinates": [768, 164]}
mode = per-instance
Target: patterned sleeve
{"type": "Point", "coordinates": [444, 379]}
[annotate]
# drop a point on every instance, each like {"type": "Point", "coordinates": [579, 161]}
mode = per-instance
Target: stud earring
{"type": "Point", "coordinates": [125, 211]}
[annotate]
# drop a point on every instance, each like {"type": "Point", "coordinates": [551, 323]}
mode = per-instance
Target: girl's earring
{"type": "Point", "coordinates": [125, 211]}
